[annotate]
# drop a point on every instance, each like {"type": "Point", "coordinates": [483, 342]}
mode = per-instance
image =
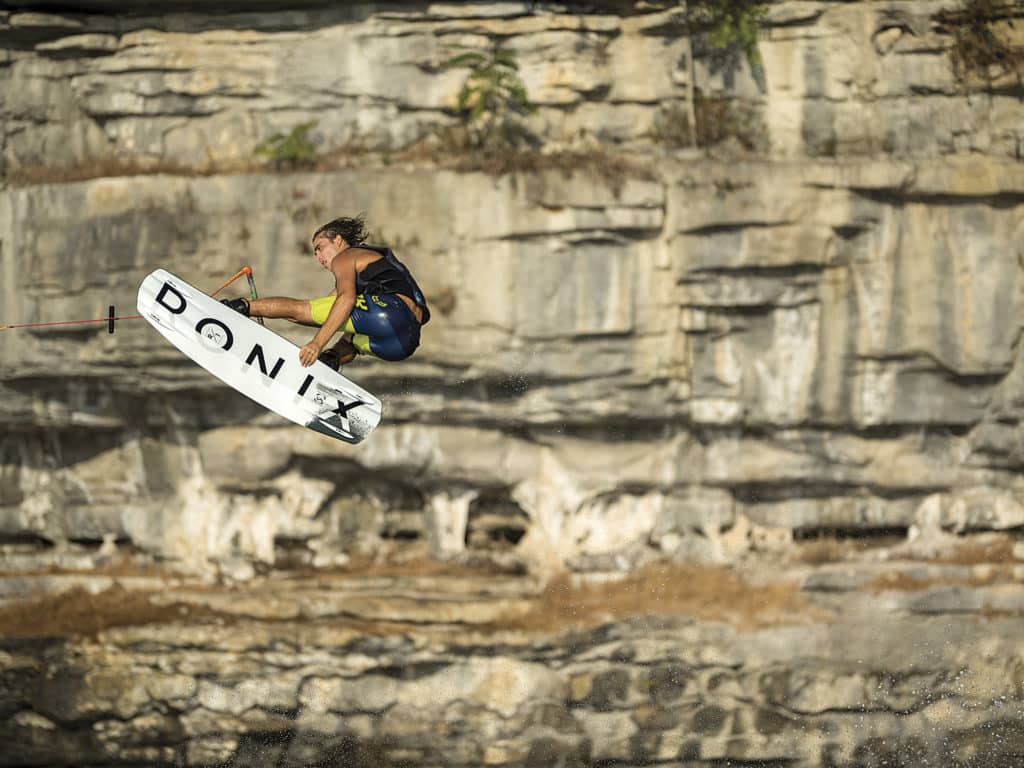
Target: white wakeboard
{"type": "Point", "coordinates": [256, 361]}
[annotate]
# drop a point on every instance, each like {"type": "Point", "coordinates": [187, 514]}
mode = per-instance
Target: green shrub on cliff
{"type": "Point", "coordinates": [723, 33]}
{"type": "Point", "coordinates": [492, 102]}
{"type": "Point", "coordinates": [291, 150]}
{"type": "Point", "coordinates": [728, 24]}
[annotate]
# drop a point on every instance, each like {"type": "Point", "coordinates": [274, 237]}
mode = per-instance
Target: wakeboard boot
{"type": "Point", "coordinates": [331, 358]}
{"type": "Point", "coordinates": [241, 306]}
{"type": "Point", "coordinates": [340, 354]}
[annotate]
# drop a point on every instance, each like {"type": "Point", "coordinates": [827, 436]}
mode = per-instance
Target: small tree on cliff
{"type": "Point", "coordinates": [730, 27]}
{"type": "Point", "coordinates": [292, 150]}
{"type": "Point", "coordinates": [493, 101]}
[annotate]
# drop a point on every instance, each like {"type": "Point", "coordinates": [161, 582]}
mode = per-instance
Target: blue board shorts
{"type": "Point", "coordinates": [381, 325]}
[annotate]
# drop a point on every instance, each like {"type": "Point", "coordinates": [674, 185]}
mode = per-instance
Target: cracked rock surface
{"type": "Point", "coordinates": [405, 669]}
{"type": "Point", "coordinates": [710, 456]}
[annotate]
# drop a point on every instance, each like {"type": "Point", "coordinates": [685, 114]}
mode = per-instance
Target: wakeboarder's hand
{"type": "Point", "coordinates": [309, 353]}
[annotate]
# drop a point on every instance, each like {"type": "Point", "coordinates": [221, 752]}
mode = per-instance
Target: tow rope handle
{"type": "Point", "coordinates": [112, 317]}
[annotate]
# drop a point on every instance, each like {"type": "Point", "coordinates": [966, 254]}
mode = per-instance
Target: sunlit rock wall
{"type": "Point", "coordinates": [809, 325]}
{"type": "Point", "coordinates": [648, 692]}
{"type": "Point", "coordinates": [806, 326]}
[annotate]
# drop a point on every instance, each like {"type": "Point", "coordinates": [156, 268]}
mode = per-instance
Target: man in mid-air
{"type": "Point", "coordinates": [376, 303]}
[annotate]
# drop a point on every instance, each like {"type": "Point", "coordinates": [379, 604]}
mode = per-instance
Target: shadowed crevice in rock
{"type": "Point", "coordinates": [1007, 199]}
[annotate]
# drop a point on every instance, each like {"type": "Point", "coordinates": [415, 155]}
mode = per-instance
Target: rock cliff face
{"type": "Point", "coordinates": [406, 669]}
{"type": "Point", "coordinates": [708, 310]}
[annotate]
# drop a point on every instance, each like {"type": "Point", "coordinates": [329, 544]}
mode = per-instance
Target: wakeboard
{"type": "Point", "coordinates": [256, 361]}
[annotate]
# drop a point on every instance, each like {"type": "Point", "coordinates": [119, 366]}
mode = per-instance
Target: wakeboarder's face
{"type": "Point", "coordinates": [325, 249]}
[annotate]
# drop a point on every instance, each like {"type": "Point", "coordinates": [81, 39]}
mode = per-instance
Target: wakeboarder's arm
{"type": "Point", "coordinates": [344, 269]}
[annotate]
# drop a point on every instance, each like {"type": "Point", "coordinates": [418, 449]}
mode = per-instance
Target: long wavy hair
{"type": "Point", "coordinates": [351, 228]}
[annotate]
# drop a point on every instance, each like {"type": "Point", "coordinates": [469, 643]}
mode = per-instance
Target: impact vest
{"type": "Point", "coordinates": [389, 275]}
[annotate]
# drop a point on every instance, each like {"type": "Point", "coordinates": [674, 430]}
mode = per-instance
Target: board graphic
{"type": "Point", "coordinates": [256, 361]}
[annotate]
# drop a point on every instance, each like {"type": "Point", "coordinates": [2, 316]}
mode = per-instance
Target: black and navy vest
{"type": "Point", "coordinates": [389, 275]}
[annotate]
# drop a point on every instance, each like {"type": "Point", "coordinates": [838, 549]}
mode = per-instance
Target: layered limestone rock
{"type": "Point", "coordinates": [724, 312]}
{"type": "Point", "coordinates": [201, 91]}
{"type": "Point", "coordinates": [811, 346]}
{"type": "Point", "coordinates": [300, 675]}
{"type": "Point", "coordinates": [818, 333]}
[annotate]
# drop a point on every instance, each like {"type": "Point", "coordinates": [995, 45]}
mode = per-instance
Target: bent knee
{"type": "Point", "coordinates": [300, 312]}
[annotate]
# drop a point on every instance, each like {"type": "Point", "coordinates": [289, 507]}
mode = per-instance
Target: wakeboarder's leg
{"type": "Point", "coordinates": [283, 308]}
